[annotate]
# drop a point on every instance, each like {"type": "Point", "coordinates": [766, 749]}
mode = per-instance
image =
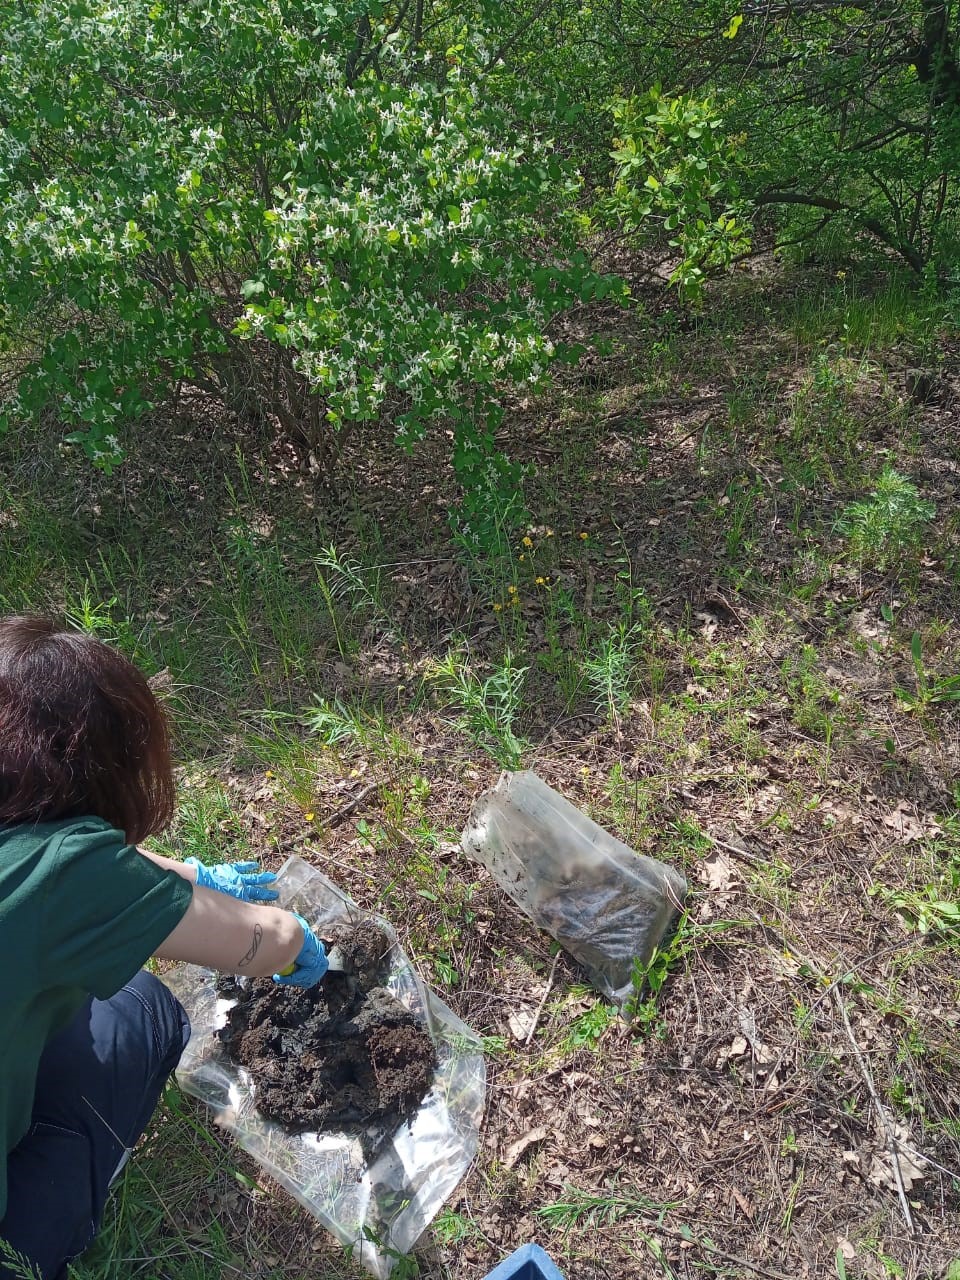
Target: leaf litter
{"type": "Point", "coordinates": [706, 1149]}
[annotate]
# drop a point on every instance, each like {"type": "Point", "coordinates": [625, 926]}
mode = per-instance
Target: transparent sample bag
{"type": "Point", "coordinates": [378, 1205]}
{"type": "Point", "coordinates": [605, 904]}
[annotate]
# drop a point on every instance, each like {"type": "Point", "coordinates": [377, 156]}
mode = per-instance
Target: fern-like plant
{"type": "Point", "coordinates": [489, 706]}
{"type": "Point", "coordinates": [610, 671]}
{"type": "Point", "coordinates": [889, 524]}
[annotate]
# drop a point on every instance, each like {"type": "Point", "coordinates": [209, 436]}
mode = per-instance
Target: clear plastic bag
{"type": "Point", "coordinates": [605, 904]}
{"type": "Point", "coordinates": [377, 1206]}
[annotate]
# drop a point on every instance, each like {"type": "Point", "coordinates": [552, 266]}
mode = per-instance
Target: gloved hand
{"type": "Point", "coordinates": [238, 879]}
{"type": "Point", "coordinates": [311, 962]}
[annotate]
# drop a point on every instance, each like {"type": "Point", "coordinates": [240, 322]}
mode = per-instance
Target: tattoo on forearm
{"type": "Point", "coordinates": [254, 947]}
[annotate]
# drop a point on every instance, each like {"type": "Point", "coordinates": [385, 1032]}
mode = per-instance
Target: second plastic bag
{"type": "Point", "coordinates": [378, 1205]}
{"type": "Point", "coordinates": [605, 904]}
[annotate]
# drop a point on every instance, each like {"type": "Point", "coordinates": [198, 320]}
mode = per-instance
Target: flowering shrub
{"type": "Point", "coordinates": [280, 202]}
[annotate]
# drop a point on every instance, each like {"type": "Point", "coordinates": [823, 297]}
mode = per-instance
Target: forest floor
{"type": "Point", "coordinates": [716, 666]}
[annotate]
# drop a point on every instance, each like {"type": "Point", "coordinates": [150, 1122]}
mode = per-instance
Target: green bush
{"type": "Point", "coordinates": [674, 176]}
{"type": "Point", "coordinates": [282, 202]}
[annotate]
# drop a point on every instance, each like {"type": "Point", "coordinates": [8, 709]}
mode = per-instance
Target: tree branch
{"type": "Point", "coordinates": [908, 252]}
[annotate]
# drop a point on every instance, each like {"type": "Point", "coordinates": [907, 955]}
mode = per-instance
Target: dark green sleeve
{"type": "Point", "coordinates": [106, 910]}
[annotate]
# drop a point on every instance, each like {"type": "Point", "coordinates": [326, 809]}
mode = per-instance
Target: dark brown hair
{"type": "Point", "coordinates": [81, 732]}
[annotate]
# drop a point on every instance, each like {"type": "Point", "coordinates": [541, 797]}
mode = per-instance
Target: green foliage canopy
{"type": "Point", "coordinates": [288, 204]}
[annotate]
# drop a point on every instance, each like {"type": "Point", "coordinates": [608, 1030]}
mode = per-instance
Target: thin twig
{"type": "Point", "coordinates": [536, 1016]}
{"type": "Point", "coordinates": [345, 810]}
{"type": "Point", "coordinates": [709, 1247]}
{"type": "Point", "coordinates": [337, 862]}
{"type": "Point", "coordinates": [736, 850]}
{"type": "Point", "coordinates": [878, 1106]}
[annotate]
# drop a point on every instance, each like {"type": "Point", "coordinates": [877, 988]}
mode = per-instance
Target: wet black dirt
{"type": "Point", "coordinates": [342, 1055]}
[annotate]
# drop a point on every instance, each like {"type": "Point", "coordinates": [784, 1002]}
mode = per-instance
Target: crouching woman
{"type": "Point", "coordinates": [87, 1037]}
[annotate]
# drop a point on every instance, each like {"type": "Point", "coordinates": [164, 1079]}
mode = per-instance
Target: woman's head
{"type": "Point", "coordinates": [80, 732]}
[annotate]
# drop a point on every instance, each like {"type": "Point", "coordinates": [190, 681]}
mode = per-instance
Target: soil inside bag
{"type": "Point", "coordinates": [345, 1054]}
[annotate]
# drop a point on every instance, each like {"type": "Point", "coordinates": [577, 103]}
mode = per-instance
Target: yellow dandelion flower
{"type": "Point", "coordinates": [514, 600]}
{"type": "Point", "coordinates": [512, 589]}
{"type": "Point", "coordinates": [584, 537]}
{"type": "Point", "coordinates": [548, 533]}
{"type": "Point", "coordinates": [269, 774]}
{"type": "Point", "coordinates": [528, 542]}
{"type": "Point", "coordinates": [308, 817]}
{"type": "Point", "coordinates": [541, 582]}
{"type": "Point", "coordinates": [522, 556]}
{"type": "Point", "coordinates": [497, 608]}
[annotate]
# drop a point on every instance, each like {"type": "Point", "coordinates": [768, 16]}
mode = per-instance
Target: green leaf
{"type": "Point", "coordinates": [51, 111]}
{"type": "Point", "coordinates": [252, 288]}
{"type": "Point", "coordinates": [735, 25]}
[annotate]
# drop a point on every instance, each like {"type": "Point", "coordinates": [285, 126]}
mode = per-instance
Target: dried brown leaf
{"type": "Point", "coordinates": [518, 1148]}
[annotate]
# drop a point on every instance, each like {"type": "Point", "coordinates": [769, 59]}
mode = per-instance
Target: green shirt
{"type": "Point", "coordinates": [80, 912]}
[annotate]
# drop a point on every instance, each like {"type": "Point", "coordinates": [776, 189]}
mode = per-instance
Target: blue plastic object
{"type": "Point", "coordinates": [529, 1262]}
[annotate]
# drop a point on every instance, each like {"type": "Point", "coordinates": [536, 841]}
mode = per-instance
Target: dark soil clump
{"type": "Point", "coordinates": [340, 1056]}
{"type": "Point", "coordinates": [364, 950]}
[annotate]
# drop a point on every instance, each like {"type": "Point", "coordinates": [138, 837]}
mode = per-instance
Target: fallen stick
{"type": "Point", "coordinates": [536, 1016]}
{"type": "Point", "coordinates": [345, 810]}
{"type": "Point", "coordinates": [710, 1247]}
{"type": "Point", "coordinates": [889, 1135]}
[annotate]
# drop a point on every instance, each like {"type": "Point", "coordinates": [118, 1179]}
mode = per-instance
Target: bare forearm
{"type": "Point", "coordinates": [170, 864]}
{"type": "Point", "coordinates": [233, 936]}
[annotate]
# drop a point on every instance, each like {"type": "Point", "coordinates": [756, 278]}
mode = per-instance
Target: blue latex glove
{"type": "Point", "coordinates": [311, 962]}
{"type": "Point", "coordinates": [238, 879]}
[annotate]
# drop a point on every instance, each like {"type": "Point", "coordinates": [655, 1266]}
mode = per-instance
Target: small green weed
{"type": "Point", "coordinates": [650, 977]}
{"type": "Point", "coordinates": [740, 509]}
{"type": "Point", "coordinates": [933, 908]}
{"type": "Point", "coordinates": [824, 427]}
{"type": "Point", "coordinates": [283, 752]}
{"type": "Point", "coordinates": [927, 911]}
{"type": "Point", "coordinates": [403, 1266]}
{"type": "Point", "coordinates": [889, 525]}
{"type": "Point", "coordinates": [341, 578]}
{"type": "Point", "coordinates": [363, 724]}
{"type": "Point", "coordinates": [17, 1265]}
{"type": "Point", "coordinates": [451, 1228]}
{"type": "Point", "coordinates": [789, 1145]}
{"type": "Point", "coordinates": [813, 700]}
{"type": "Point", "coordinates": [490, 706]}
{"type": "Point", "coordinates": [587, 1031]}
{"type": "Point", "coordinates": [929, 690]}
{"type": "Point", "coordinates": [493, 1046]}
{"type": "Point", "coordinates": [580, 1208]}
{"type": "Point", "coordinates": [87, 613]}
{"type": "Point", "coordinates": [631, 802]}
{"type": "Point", "coordinates": [206, 825]}
{"type": "Point", "coordinates": [561, 658]}
{"type": "Point", "coordinates": [610, 671]}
